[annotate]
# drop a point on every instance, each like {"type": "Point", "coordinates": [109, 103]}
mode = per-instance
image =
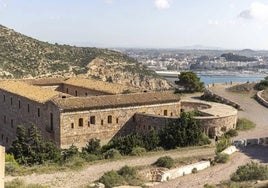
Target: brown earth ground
{"type": "Point", "coordinates": [252, 111]}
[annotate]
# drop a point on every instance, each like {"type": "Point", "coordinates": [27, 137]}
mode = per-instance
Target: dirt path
{"type": "Point", "coordinates": [93, 172]}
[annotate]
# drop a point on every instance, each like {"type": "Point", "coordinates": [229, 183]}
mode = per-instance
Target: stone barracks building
{"type": "Point", "coordinates": [71, 111]}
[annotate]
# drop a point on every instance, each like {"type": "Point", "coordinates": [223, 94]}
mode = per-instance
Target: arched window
{"type": "Point", "coordinates": [80, 123]}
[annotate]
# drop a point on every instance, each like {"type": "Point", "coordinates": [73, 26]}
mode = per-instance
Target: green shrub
{"type": "Point", "coordinates": [231, 133]}
{"type": "Point", "coordinates": [204, 140]}
{"type": "Point", "coordinates": [165, 161]}
{"type": "Point", "coordinates": [20, 183]}
{"type": "Point", "coordinates": [93, 146]}
{"type": "Point", "coordinates": [130, 175]}
{"type": "Point", "coordinates": [194, 170]}
{"type": "Point", "coordinates": [222, 158]}
{"type": "Point", "coordinates": [90, 157]}
{"type": "Point", "coordinates": [250, 171]}
{"type": "Point", "coordinates": [112, 154]}
{"type": "Point", "coordinates": [138, 151]}
{"type": "Point", "coordinates": [75, 162]}
{"type": "Point", "coordinates": [244, 125]}
{"type": "Point", "coordinates": [111, 179]}
{"type": "Point", "coordinates": [223, 143]}
{"type": "Point", "coordinates": [209, 186]}
{"type": "Point", "coordinates": [158, 149]}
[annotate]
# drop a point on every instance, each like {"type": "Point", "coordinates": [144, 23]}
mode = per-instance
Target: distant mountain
{"type": "Point", "coordinates": [25, 57]}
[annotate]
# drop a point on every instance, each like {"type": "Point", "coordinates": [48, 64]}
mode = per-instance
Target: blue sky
{"type": "Point", "coordinates": [230, 24]}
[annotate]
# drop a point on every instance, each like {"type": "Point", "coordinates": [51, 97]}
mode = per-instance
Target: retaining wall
{"type": "Point", "coordinates": [261, 99]}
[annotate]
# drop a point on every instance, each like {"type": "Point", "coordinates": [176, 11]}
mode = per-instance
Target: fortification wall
{"type": "Point", "coordinates": [146, 122]}
{"type": "Point", "coordinates": [78, 127]}
{"type": "Point", "coordinates": [2, 167]}
{"type": "Point", "coordinates": [261, 99]}
{"type": "Point", "coordinates": [215, 118]}
{"type": "Point", "coordinates": [16, 110]}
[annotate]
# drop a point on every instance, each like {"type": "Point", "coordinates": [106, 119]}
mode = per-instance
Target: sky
{"type": "Point", "coordinates": [227, 24]}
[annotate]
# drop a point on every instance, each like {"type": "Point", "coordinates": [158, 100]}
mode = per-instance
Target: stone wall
{"type": "Point", "coordinates": [16, 110]}
{"type": "Point", "coordinates": [146, 122]}
{"type": "Point", "coordinates": [78, 127]}
{"type": "Point", "coordinates": [261, 99]}
{"type": "Point", "coordinates": [79, 91]}
{"type": "Point", "coordinates": [2, 166]}
{"type": "Point", "coordinates": [215, 118]}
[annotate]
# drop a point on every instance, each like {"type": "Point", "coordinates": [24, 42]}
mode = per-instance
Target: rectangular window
{"type": "Point", "coordinates": [117, 120]}
{"type": "Point", "coordinates": [6, 139]}
{"type": "Point", "coordinates": [165, 112]}
{"type": "Point", "coordinates": [110, 119]}
{"type": "Point", "coordinates": [72, 125]}
{"type": "Point", "coordinates": [75, 93]}
{"type": "Point", "coordinates": [4, 98]}
{"type": "Point", "coordinates": [11, 123]}
{"type": "Point", "coordinates": [11, 101]}
{"type": "Point", "coordinates": [28, 107]}
{"type": "Point", "coordinates": [92, 120]}
{"type": "Point", "coordinates": [102, 122]}
{"type": "Point", "coordinates": [51, 122]}
{"type": "Point", "coordinates": [5, 119]}
{"type": "Point", "coordinates": [67, 91]}
{"type": "Point", "coordinates": [80, 122]}
{"type": "Point", "coordinates": [38, 112]}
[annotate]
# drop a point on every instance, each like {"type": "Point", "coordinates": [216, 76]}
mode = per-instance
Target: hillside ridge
{"type": "Point", "coordinates": [24, 57]}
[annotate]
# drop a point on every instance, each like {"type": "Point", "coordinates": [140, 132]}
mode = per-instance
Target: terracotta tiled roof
{"type": "Point", "coordinates": [114, 101]}
{"type": "Point", "coordinates": [35, 93]}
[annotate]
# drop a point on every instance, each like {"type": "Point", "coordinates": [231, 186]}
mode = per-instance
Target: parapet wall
{"type": "Point", "coordinates": [261, 99]}
{"type": "Point", "coordinates": [215, 118]}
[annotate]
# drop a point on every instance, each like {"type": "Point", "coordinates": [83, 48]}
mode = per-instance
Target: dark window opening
{"type": "Point", "coordinates": [133, 118]}
{"type": "Point", "coordinates": [38, 112]}
{"type": "Point", "coordinates": [2, 137]}
{"type": "Point", "coordinates": [88, 124]}
{"type": "Point", "coordinates": [11, 101]}
{"type": "Point", "coordinates": [6, 139]}
{"type": "Point", "coordinates": [80, 122]}
{"type": "Point", "coordinates": [117, 120]}
{"type": "Point", "coordinates": [11, 123]}
{"type": "Point", "coordinates": [72, 125]}
{"type": "Point", "coordinates": [92, 120]}
{"type": "Point", "coordinates": [5, 119]}
{"type": "Point", "coordinates": [102, 122]}
{"type": "Point", "coordinates": [165, 112]}
{"type": "Point", "coordinates": [67, 90]}
{"type": "Point", "coordinates": [85, 94]}
{"type": "Point", "coordinates": [75, 93]}
{"type": "Point", "coordinates": [110, 119]}
{"type": "Point", "coordinates": [171, 114]}
{"type": "Point", "coordinates": [19, 104]}
{"type": "Point", "coordinates": [28, 107]}
{"type": "Point", "coordinates": [51, 122]}
{"type": "Point", "coordinates": [4, 98]}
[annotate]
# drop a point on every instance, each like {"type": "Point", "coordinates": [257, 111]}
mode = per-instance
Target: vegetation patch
{"type": "Point", "coordinates": [244, 125]}
{"type": "Point", "coordinates": [166, 162]}
{"type": "Point", "coordinates": [223, 143]}
{"type": "Point", "coordinates": [250, 171]}
{"type": "Point", "coordinates": [21, 184]}
{"type": "Point", "coordinates": [221, 158]}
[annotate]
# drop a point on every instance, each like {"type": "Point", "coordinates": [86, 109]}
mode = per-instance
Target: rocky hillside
{"type": "Point", "coordinates": [25, 57]}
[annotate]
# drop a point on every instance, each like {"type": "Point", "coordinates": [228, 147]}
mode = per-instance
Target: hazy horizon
{"type": "Point", "coordinates": [156, 24]}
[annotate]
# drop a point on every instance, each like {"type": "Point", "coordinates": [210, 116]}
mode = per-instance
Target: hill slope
{"type": "Point", "coordinates": [25, 57]}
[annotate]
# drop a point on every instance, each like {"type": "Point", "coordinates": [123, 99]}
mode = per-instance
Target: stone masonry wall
{"type": "Point", "coordinates": [2, 166]}
{"type": "Point", "coordinates": [146, 122]}
{"type": "Point", "coordinates": [79, 91]}
{"type": "Point", "coordinates": [16, 110]}
{"type": "Point", "coordinates": [109, 123]}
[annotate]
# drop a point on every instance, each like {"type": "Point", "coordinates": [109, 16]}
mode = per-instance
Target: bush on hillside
{"type": "Point", "coordinates": [138, 151]}
{"type": "Point", "coordinates": [251, 171]}
{"type": "Point", "coordinates": [166, 162]}
{"type": "Point", "coordinates": [112, 154]}
{"type": "Point", "coordinates": [111, 179]}
{"type": "Point", "coordinates": [244, 125]}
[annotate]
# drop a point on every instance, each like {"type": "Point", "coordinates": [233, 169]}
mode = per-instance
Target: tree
{"type": "Point", "coordinates": [31, 149]}
{"type": "Point", "coordinates": [190, 81]}
{"type": "Point", "coordinates": [93, 146]}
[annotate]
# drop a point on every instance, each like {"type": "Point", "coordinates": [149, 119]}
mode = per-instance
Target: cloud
{"type": "Point", "coordinates": [258, 11]}
{"type": "Point", "coordinates": [162, 4]}
{"type": "Point", "coordinates": [109, 1]}
{"type": "Point", "coordinates": [213, 22]}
